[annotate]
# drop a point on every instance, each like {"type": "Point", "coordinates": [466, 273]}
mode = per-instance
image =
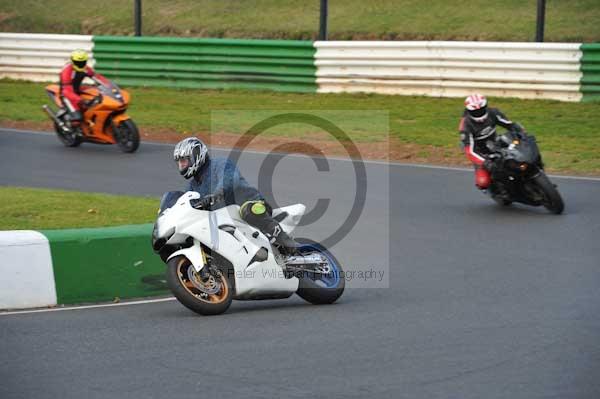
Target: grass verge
{"type": "Point", "coordinates": [56, 209]}
{"type": "Point", "coordinates": [503, 20]}
{"type": "Point", "coordinates": [567, 132]}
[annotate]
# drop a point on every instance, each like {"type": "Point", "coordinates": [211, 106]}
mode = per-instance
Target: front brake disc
{"type": "Point", "coordinates": [208, 286]}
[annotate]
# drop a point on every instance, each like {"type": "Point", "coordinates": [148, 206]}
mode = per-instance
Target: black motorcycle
{"type": "Point", "coordinates": [518, 173]}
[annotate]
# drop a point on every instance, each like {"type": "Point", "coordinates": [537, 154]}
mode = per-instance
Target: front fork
{"type": "Point", "coordinates": [116, 120]}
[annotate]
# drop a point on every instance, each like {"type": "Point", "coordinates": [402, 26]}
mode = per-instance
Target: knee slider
{"type": "Point", "coordinates": [258, 208]}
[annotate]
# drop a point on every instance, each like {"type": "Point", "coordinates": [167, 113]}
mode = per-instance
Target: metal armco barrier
{"type": "Point", "coordinates": [450, 69]}
{"type": "Point", "coordinates": [283, 65]}
{"type": "Point", "coordinates": [38, 57]}
{"type": "Point", "coordinates": [560, 71]}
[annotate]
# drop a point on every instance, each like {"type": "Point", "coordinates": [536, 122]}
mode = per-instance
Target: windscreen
{"type": "Point", "coordinates": [169, 199]}
{"type": "Point", "coordinates": [109, 89]}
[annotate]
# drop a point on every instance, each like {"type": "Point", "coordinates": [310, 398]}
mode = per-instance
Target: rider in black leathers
{"type": "Point", "coordinates": [477, 127]}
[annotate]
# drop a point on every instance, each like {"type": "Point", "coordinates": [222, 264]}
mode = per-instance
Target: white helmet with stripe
{"type": "Point", "coordinates": [476, 106]}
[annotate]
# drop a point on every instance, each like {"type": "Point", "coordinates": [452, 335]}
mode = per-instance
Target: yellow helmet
{"type": "Point", "coordinates": [79, 59]}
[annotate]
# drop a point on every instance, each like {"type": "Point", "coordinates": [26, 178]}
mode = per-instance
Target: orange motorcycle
{"type": "Point", "coordinates": [104, 121]}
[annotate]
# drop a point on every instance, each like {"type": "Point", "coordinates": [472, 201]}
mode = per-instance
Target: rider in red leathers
{"type": "Point", "coordinates": [71, 77]}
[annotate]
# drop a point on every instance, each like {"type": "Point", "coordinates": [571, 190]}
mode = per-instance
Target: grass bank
{"type": "Point", "coordinates": [567, 132]}
{"type": "Point", "coordinates": [503, 20]}
{"type": "Point", "coordinates": [56, 209]}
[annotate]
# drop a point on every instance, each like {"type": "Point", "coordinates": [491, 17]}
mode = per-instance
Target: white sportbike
{"type": "Point", "coordinates": [213, 257]}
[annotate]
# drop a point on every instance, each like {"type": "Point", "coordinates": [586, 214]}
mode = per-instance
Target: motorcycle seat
{"type": "Point", "coordinates": [289, 216]}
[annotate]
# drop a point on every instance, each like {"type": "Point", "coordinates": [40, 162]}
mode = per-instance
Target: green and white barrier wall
{"type": "Point", "coordinates": [207, 63]}
{"type": "Point", "coordinates": [46, 268]}
{"type": "Point", "coordinates": [282, 65]}
{"type": "Point", "coordinates": [561, 71]}
{"type": "Point", "coordinates": [590, 66]}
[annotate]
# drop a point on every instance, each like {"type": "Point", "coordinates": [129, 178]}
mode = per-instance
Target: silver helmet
{"type": "Point", "coordinates": [190, 154]}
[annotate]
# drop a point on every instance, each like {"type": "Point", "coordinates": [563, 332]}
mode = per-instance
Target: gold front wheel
{"type": "Point", "coordinates": [206, 294]}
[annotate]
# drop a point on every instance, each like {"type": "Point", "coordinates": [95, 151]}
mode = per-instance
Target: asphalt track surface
{"type": "Point", "coordinates": [478, 301]}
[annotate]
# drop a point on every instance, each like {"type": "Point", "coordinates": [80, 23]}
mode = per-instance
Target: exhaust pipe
{"type": "Point", "coordinates": [305, 260]}
{"type": "Point", "coordinates": [312, 263]}
{"type": "Point", "coordinates": [55, 118]}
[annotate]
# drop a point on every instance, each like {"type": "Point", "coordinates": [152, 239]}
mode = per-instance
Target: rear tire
{"type": "Point", "coordinates": [552, 199]}
{"type": "Point", "coordinates": [127, 136]}
{"type": "Point", "coordinates": [319, 291]}
{"type": "Point", "coordinates": [186, 291]}
{"type": "Point", "coordinates": [68, 139]}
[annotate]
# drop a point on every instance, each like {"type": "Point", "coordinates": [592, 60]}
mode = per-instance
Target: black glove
{"type": "Point", "coordinates": [207, 202]}
{"type": "Point", "coordinates": [83, 104]}
{"type": "Point", "coordinates": [490, 163]}
{"type": "Point", "coordinates": [90, 103]}
{"type": "Point", "coordinates": [518, 131]}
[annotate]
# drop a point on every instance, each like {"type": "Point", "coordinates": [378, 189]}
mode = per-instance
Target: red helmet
{"type": "Point", "coordinates": [476, 106]}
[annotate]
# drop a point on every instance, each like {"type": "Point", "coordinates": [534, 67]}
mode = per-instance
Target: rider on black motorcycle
{"type": "Point", "coordinates": [220, 184]}
{"type": "Point", "coordinates": [478, 127]}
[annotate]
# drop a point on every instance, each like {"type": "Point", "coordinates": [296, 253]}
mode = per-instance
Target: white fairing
{"type": "Point", "coordinates": [224, 232]}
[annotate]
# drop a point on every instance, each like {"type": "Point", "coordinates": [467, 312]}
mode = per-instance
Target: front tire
{"type": "Point", "coordinates": [210, 297]}
{"type": "Point", "coordinates": [552, 199]}
{"type": "Point", "coordinates": [502, 201]}
{"type": "Point", "coordinates": [321, 289]}
{"type": "Point", "coordinates": [127, 136]}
